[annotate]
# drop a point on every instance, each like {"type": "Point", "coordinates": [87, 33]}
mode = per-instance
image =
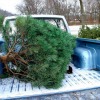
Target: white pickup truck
{"type": "Point", "coordinates": [85, 64]}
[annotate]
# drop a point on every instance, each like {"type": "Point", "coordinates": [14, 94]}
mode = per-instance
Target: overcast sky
{"type": "Point", "coordinates": [10, 5]}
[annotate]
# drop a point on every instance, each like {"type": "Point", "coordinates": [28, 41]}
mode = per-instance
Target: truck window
{"type": "Point", "coordinates": [12, 26]}
{"type": "Point", "coordinates": [58, 22]}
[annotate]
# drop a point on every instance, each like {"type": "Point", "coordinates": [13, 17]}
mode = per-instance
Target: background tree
{"type": "Point", "coordinates": [85, 12]}
{"type": "Point", "coordinates": [57, 7]}
{"type": "Point", "coordinates": [82, 13]}
{"type": "Point", "coordinates": [31, 7]}
{"type": "Point", "coordinates": [98, 9]}
{"type": "Point", "coordinates": [1, 22]}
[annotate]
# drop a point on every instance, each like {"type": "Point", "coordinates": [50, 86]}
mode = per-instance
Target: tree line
{"type": "Point", "coordinates": [5, 13]}
{"type": "Point", "coordinates": [75, 12]}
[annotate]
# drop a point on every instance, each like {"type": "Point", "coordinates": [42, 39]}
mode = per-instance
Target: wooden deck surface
{"type": "Point", "coordinates": [79, 80]}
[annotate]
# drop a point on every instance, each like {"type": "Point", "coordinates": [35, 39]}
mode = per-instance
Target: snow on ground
{"type": "Point", "coordinates": [75, 28]}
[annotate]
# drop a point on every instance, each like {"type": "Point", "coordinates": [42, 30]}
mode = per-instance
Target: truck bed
{"type": "Point", "coordinates": [81, 79]}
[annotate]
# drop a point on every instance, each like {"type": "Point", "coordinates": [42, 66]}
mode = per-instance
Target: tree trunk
{"type": "Point", "coordinates": [82, 13]}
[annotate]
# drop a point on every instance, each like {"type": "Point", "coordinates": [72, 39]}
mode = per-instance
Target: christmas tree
{"type": "Point", "coordinates": [1, 22]}
{"type": "Point", "coordinates": [37, 52]}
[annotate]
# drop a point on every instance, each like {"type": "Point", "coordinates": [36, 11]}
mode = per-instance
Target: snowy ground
{"type": "Point", "coordinates": [75, 29]}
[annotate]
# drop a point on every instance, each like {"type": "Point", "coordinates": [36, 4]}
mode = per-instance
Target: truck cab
{"type": "Point", "coordinates": [57, 20]}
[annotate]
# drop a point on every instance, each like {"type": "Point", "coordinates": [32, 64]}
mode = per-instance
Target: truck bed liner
{"type": "Point", "coordinates": [11, 88]}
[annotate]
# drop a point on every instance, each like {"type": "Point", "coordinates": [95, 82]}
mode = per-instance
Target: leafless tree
{"type": "Point", "coordinates": [82, 13]}
{"type": "Point", "coordinates": [75, 10]}
{"type": "Point", "coordinates": [58, 7]}
{"type": "Point", "coordinates": [98, 9]}
{"type": "Point", "coordinates": [90, 8]}
{"type": "Point", "coordinates": [31, 7]}
{"type": "Point", "coordinates": [49, 7]}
